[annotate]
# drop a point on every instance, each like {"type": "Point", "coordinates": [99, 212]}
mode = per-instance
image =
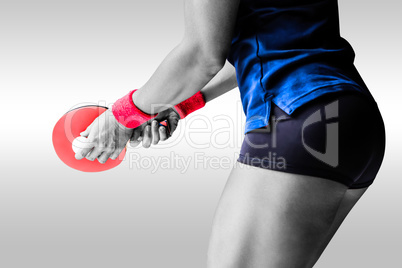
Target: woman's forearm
{"type": "Point", "coordinates": [185, 71]}
{"type": "Point", "coordinates": [223, 82]}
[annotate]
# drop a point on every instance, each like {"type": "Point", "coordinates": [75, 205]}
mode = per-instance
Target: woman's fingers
{"type": "Point", "coordinates": [82, 153]}
{"type": "Point", "coordinates": [108, 138]}
{"type": "Point", "coordinates": [163, 133]}
{"type": "Point", "coordinates": [150, 134]}
{"type": "Point", "coordinates": [173, 122]}
{"type": "Point", "coordinates": [95, 153]}
{"type": "Point", "coordinates": [147, 137]}
{"type": "Point", "coordinates": [135, 143]}
{"type": "Point", "coordinates": [116, 152]}
{"type": "Point", "coordinates": [172, 118]}
{"type": "Point", "coordinates": [83, 149]}
{"type": "Point", "coordinates": [105, 155]}
{"type": "Point", "coordinates": [136, 137]}
{"type": "Point", "coordinates": [155, 132]}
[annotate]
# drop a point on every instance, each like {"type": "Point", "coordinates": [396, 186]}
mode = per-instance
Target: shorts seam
{"type": "Point", "coordinates": [361, 185]}
{"type": "Point", "coordinates": [315, 172]}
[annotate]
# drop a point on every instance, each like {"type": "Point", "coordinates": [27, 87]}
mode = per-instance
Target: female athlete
{"type": "Point", "coordinates": [304, 101]}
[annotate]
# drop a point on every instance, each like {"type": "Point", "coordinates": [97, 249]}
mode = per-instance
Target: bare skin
{"type": "Point", "coordinates": [265, 218]}
{"type": "Point", "coordinates": [274, 219]}
{"type": "Point", "coordinates": [150, 132]}
{"type": "Point", "coordinates": [187, 69]}
{"type": "Point", "coordinates": [348, 201]}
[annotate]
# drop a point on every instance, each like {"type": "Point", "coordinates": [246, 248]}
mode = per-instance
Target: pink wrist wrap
{"type": "Point", "coordinates": [190, 105]}
{"type": "Point", "coordinates": [127, 114]}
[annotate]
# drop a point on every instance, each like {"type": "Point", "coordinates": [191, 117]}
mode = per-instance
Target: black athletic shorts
{"type": "Point", "coordinates": [338, 136]}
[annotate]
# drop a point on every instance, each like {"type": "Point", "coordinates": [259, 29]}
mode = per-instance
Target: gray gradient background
{"type": "Point", "coordinates": [57, 54]}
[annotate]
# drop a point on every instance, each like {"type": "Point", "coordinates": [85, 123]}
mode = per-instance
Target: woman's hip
{"type": "Point", "coordinates": [335, 136]}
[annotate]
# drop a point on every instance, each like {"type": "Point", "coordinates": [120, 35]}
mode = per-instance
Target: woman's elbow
{"type": "Point", "coordinates": [210, 59]}
{"type": "Point", "coordinates": [212, 64]}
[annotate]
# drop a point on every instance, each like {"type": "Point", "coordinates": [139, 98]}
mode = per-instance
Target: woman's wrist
{"type": "Point", "coordinates": [137, 101]}
{"type": "Point", "coordinates": [128, 114]}
{"type": "Point", "coordinates": [195, 102]}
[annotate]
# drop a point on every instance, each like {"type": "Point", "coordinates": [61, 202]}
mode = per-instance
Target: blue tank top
{"type": "Point", "coordinates": [289, 52]}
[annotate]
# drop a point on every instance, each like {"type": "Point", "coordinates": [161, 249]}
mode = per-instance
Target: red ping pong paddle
{"type": "Point", "coordinates": [69, 127]}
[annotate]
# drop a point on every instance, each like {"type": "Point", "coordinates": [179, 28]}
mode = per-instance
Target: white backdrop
{"type": "Point", "coordinates": [58, 54]}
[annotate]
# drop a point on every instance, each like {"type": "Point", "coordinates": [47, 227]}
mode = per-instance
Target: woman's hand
{"type": "Point", "coordinates": [106, 138]}
{"type": "Point", "coordinates": [153, 132]}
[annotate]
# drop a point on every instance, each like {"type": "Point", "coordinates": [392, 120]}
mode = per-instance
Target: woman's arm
{"type": "Point", "coordinates": [223, 82]}
{"type": "Point", "coordinates": [196, 60]}
{"type": "Point", "coordinates": [186, 70]}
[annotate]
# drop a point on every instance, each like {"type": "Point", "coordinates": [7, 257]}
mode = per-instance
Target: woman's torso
{"type": "Point", "coordinates": [289, 52]}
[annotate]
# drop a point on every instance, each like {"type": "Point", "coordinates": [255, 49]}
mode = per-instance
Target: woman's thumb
{"type": "Point", "coordinates": [85, 133]}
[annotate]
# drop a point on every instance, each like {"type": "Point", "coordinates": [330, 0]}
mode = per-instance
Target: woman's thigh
{"type": "Point", "coordinates": [268, 218]}
{"type": "Point", "coordinates": [349, 200]}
